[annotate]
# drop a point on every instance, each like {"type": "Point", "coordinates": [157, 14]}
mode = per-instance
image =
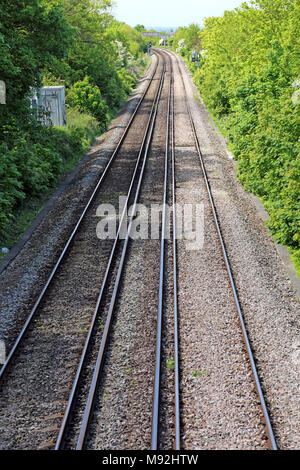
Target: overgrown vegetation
{"type": "Point", "coordinates": [58, 42]}
{"type": "Point", "coordinates": [249, 79]}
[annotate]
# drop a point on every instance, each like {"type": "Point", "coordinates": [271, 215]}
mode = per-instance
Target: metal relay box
{"type": "Point", "coordinates": [50, 105]}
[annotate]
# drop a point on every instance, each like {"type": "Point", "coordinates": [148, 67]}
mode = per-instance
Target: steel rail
{"type": "Point", "coordinates": [269, 429]}
{"type": "Point", "coordinates": [176, 332]}
{"type": "Point", "coordinates": [157, 377]}
{"type": "Point", "coordinates": [71, 401]}
{"type": "Point", "coordinates": [104, 340]}
{"type": "Point", "coordinates": [62, 255]}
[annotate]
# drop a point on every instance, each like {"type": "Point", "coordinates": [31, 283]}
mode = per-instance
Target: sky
{"type": "Point", "coordinates": [170, 13]}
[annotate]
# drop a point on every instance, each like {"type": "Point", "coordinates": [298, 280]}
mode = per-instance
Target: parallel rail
{"type": "Point", "coordinates": [157, 378]}
{"type": "Point", "coordinates": [89, 406]}
{"type": "Point", "coordinates": [169, 155]}
{"type": "Point", "coordinates": [269, 429]}
{"type": "Point", "coordinates": [176, 313]}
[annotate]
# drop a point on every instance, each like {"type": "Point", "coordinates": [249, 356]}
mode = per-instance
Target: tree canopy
{"type": "Point", "coordinates": [76, 43]}
{"type": "Point", "coordinates": [248, 75]}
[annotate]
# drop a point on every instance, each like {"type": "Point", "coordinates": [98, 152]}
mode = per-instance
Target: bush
{"type": "Point", "coordinates": [10, 184]}
{"type": "Point", "coordinates": [87, 98]}
{"type": "Point", "coordinates": [39, 157]}
{"type": "Point", "coordinates": [58, 42]}
{"type": "Point", "coordinates": [115, 92]}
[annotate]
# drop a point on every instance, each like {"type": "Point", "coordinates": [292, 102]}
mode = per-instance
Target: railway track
{"type": "Point", "coordinates": [169, 174]}
{"type": "Point", "coordinates": [269, 429]}
{"type": "Point", "coordinates": [141, 114]}
{"type": "Point", "coordinates": [105, 337]}
{"type": "Point", "coordinates": [76, 405]}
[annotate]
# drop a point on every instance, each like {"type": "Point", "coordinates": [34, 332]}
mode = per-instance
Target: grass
{"type": "Point", "coordinates": [170, 364]}
{"type": "Point", "coordinates": [199, 373]}
{"type": "Point", "coordinates": [21, 220]}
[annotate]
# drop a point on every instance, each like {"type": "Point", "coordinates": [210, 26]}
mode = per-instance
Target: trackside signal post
{"type": "Point", "coordinates": [196, 58]}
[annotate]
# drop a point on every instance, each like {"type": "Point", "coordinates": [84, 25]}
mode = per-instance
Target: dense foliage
{"type": "Point", "coordinates": [51, 42]}
{"type": "Point", "coordinates": [187, 39]}
{"type": "Point", "coordinates": [249, 79]}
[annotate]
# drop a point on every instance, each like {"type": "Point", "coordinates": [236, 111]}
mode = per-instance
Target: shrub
{"type": "Point", "coordinates": [10, 184]}
{"type": "Point", "coordinates": [87, 98]}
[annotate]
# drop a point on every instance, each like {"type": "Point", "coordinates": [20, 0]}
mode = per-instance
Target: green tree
{"type": "Point", "coordinates": [140, 28]}
{"type": "Point", "coordinates": [87, 98]}
{"type": "Point", "coordinates": [72, 42]}
{"type": "Point", "coordinates": [246, 78]}
{"type": "Point", "coordinates": [33, 34]}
